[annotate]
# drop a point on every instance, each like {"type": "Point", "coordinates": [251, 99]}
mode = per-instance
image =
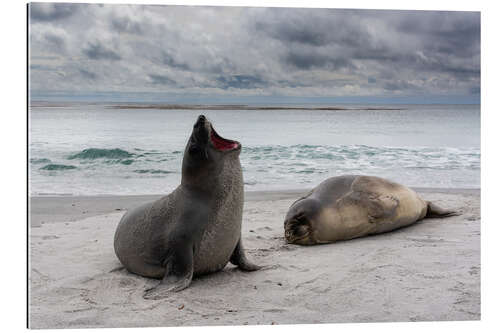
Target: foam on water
{"type": "Point", "coordinates": [91, 150]}
{"type": "Point", "coordinates": [267, 167]}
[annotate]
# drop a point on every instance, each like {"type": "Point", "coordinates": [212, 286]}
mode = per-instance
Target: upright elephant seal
{"type": "Point", "coordinates": [347, 207]}
{"type": "Point", "coordinates": [194, 230]}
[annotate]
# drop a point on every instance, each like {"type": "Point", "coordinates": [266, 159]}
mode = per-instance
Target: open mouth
{"type": "Point", "coordinates": [222, 144]}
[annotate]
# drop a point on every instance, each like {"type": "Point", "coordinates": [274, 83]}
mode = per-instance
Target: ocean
{"type": "Point", "coordinates": [94, 148]}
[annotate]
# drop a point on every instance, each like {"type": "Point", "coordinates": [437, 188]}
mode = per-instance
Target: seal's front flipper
{"type": "Point", "coordinates": [178, 274]}
{"type": "Point", "coordinates": [239, 259]}
{"type": "Point", "coordinates": [434, 210]}
{"type": "Point", "coordinates": [381, 207]}
{"type": "Point", "coordinates": [378, 207]}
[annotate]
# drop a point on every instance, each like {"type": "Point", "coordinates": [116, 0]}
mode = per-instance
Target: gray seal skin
{"type": "Point", "coordinates": [347, 207]}
{"type": "Point", "coordinates": [194, 230]}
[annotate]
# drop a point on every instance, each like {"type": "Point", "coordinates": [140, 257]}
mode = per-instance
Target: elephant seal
{"type": "Point", "coordinates": [194, 230]}
{"type": "Point", "coordinates": [347, 207]}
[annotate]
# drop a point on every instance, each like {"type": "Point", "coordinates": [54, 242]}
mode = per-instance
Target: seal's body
{"type": "Point", "coordinates": [194, 230]}
{"type": "Point", "coordinates": [347, 207]}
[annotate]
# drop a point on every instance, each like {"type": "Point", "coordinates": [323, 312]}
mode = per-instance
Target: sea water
{"type": "Point", "coordinates": [91, 149]}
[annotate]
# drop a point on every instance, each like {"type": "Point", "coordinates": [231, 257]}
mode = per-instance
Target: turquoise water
{"type": "Point", "coordinates": [89, 149]}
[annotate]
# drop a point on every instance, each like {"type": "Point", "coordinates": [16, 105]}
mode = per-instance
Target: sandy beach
{"type": "Point", "coordinates": [429, 271]}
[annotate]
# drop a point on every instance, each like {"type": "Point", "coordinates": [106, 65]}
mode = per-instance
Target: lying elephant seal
{"type": "Point", "coordinates": [194, 230]}
{"type": "Point", "coordinates": [347, 207]}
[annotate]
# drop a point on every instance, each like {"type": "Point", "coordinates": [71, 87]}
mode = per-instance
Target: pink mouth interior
{"type": "Point", "coordinates": [221, 143]}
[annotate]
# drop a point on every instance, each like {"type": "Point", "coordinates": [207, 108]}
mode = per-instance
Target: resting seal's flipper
{"type": "Point", "coordinates": [239, 259]}
{"type": "Point", "coordinates": [178, 274]}
{"type": "Point", "coordinates": [379, 207]}
{"type": "Point", "coordinates": [434, 210]}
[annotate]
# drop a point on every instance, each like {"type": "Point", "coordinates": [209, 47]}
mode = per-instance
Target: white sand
{"type": "Point", "coordinates": [428, 271]}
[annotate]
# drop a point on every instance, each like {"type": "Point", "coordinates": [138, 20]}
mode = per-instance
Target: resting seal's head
{"type": "Point", "coordinates": [300, 222]}
{"type": "Point", "coordinates": [205, 154]}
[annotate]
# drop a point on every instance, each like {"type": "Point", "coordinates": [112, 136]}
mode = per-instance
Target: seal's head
{"type": "Point", "coordinates": [300, 222]}
{"type": "Point", "coordinates": [205, 151]}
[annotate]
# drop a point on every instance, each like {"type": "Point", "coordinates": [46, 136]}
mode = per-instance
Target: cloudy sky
{"type": "Point", "coordinates": [240, 52]}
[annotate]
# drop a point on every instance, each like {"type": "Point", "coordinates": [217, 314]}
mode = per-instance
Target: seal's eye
{"type": "Point", "coordinates": [194, 149]}
{"type": "Point", "coordinates": [301, 231]}
{"type": "Point", "coordinates": [198, 151]}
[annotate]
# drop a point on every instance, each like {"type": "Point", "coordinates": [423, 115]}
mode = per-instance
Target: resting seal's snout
{"type": "Point", "coordinates": [297, 229]}
{"type": "Point", "coordinates": [300, 220]}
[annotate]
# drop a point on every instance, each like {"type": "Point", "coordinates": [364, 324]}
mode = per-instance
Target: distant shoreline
{"type": "Point", "coordinates": [166, 106]}
{"type": "Point", "coordinates": [242, 107]}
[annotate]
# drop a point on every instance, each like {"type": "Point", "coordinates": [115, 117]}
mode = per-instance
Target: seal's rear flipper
{"type": "Point", "coordinates": [435, 211]}
{"type": "Point", "coordinates": [239, 259]}
{"type": "Point", "coordinates": [178, 274]}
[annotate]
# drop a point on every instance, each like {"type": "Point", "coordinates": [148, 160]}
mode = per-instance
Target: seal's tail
{"type": "Point", "coordinates": [434, 210]}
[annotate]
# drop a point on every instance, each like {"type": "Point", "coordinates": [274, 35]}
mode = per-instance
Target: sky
{"type": "Point", "coordinates": [231, 54]}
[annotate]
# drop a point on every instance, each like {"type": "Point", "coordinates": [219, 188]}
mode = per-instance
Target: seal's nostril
{"type": "Point", "coordinates": [201, 120]}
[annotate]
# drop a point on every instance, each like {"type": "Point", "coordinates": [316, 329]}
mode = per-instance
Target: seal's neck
{"type": "Point", "coordinates": [214, 179]}
{"type": "Point", "coordinates": [201, 183]}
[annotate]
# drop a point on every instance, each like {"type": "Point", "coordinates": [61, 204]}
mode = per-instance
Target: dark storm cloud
{"type": "Point", "coordinates": [97, 51]}
{"type": "Point", "coordinates": [87, 74]}
{"type": "Point", "coordinates": [161, 80]}
{"type": "Point", "coordinates": [310, 59]}
{"type": "Point", "coordinates": [51, 11]}
{"type": "Point", "coordinates": [170, 61]}
{"type": "Point", "coordinates": [126, 25]}
{"type": "Point", "coordinates": [240, 82]}
{"type": "Point", "coordinates": [218, 65]}
{"type": "Point", "coordinates": [287, 32]}
{"type": "Point", "coordinates": [445, 32]}
{"type": "Point", "coordinates": [313, 27]}
{"type": "Point", "coordinates": [334, 39]}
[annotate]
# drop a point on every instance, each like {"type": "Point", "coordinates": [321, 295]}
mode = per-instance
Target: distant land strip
{"type": "Point", "coordinates": [239, 107]}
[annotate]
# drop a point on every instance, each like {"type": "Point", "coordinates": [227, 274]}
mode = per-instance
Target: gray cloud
{"type": "Point", "coordinates": [310, 59]}
{"type": "Point", "coordinates": [126, 25]}
{"type": "Point", "coordinates": [161, 80]}
{"type": "Point", "coordinates": [335, 39]}
{"type": "Point", "coordinates": [169, 60]}
{"type": "Point", "coordinates": [87, 74]}
{"type": "Point", "coordinates": [56, 42]}
{"type": "Point", "coordinates": [51, 11]}
{"type": "Point", "coordinates": [291, 33]}
{"type": "Point", "coordinates": [237, 50]}
{"type": "Point", "coordinates": [40, 68]}
{"type": "Point", "coordinates": [241, 82]}
{"type": "Point", "coordinates": [400, 85]}
{"type": "Point", "coordinates": [97, 51]}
